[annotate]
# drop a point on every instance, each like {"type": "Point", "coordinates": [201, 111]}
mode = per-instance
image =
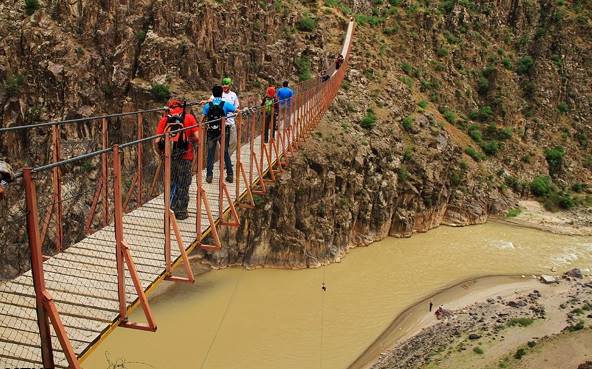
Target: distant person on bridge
{"type": "Point", "coordinates": [285, 95]}
{"type": "Point", "coordinates": [338, 61]}
{"type": "Point", "coordinates": [182, 153]}
{"type": "Point", "coordinates": [213, 112]}
{"type": "Point", "coordinates": [269, 104]}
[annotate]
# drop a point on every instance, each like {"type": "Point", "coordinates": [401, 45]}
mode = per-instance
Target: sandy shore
{"type": "Point", "coordinates": [482, 307]}
{"type": "Point", "coordinates": [577, 222]}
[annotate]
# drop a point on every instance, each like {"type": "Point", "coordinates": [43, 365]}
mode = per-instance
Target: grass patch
{"type": "Point", "coordinates": [474, 154]}
{"type": "Point", "coordinates": [478, 350]}
{"type": "Point", "coordinates": [407, 123]}
{"type": "Point", "coordinates": [31, 6]}
{"type": "Point", "coordinates": [306, 24]}
{"type": "Point", "coordinates": [519, 353]}
{"type": "Point", "coordinates": [369, 120]}
{"type": "Point", "coordinates": [302, 64]}
{"type": "Point", "coordinates": [513, 212]}
{"type": "Point", "coordinates": [520, 322]}
{"type": "Point", "coordinates": [160, 91]}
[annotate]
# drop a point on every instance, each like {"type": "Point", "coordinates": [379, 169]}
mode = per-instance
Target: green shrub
{"type": "Point", "coordinates": [504, 133]}
{"type": "Point", "coordinates": [369, 121]}
{"type": "Point", "coordinates": [531, 344]}
{"type": "Point", "coordinates": [474, 154]}
{"type": "Point", "coordinates": [562, 107]}
{"type": "Point", "coordinates": [519, 354]}
{"type": "Point", "coordinates": [339, 5]}
{"type": "Point", "coordinates": [490, 147]}
{"type": "Point", "coordinates": [403, 174]}
{"type": "Point", "coordinates": [306, 24]}
{"type": "Point", "coordinates": [423, 104]}
{"type": "Point", "coordinates": [578, 327]}
{"type": "Point", "coordinates": [554, 158]}
{"type": "Point", "coordinates": [513, 212]}
{"type": "Point", "coordinates": [13, 85]}
{"type": "Point", "coordinates": [450, 116]}
{"type": "Point", "coordinates": [507, 63]}
{"type": "Point", "coordinates": [141, 36]}
{"type": "Point", "coordinates": [483, 85]}
{"type": "Point", "coordinates": [579, 187]}
{"type": "Point", "coordinates": [540, 186]}
{"type": "Point", "coordinates": [525, 65]}
{"type": "Point", "coordinates": [389, 31]}
{"type": "Point", "coordinates": [31, 6]}
{"type": "Point", "coordinates": [160, 92]}
{"type": "Point", "coordinates": [442, 52]}
{"type": "Point", "coordinates": [407, 123]}
{"type": "Point", "coordinates": [408, 69]}
{"type": "Point", "coordinates": [484, 114]}
{"type": "Point", "coordinates": [520, 322]}
{"type": "Point", "coordinates": [478, 350]}
{"type": "Point", "coordinates": [302, 64]}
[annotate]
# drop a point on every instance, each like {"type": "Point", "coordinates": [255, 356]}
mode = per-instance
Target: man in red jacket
{"type": "Point", "coordinates": [175, 119]}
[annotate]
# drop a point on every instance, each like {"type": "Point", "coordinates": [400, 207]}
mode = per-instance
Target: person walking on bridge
{"type": "Point", "coordinates": [213, 112]}
{"type": "Point", "coordinates": [269, 104]}
{"type": "Point", "coordinates": [182, 152]}
{"type": "Point", "coordinates": [284, 95]}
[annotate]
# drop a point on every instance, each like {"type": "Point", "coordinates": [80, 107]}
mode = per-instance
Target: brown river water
{"type": "Point", "coordinates": [272, 319]}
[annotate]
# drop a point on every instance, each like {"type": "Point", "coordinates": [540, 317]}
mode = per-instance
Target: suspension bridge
{"type": "Point", "coordinates": [96, 254]}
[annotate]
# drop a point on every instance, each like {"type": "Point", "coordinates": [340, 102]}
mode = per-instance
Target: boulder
{"type": "Point", "coordinates": [548, 279]}
{"type": "Point", "coordinates": [574, 273]}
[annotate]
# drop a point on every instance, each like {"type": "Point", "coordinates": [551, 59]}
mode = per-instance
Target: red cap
{"type": "Point", "coordinates": [271, 91]}
{"type": "Point", "coordinates": [175, 107]}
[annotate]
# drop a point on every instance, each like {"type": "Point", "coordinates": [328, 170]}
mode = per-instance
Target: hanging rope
{"type": "Point", "coordinates": [324, 290]}
{"type": "Point", "coordinates": [221, 322]}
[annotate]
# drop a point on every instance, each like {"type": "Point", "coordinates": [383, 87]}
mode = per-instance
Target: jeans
{"type": "Point", "coordinates": [267, 124]}
{"type": "Point", "coordinates": [212, 144]}
{"type": "Point", "coordinates": [180, 182]}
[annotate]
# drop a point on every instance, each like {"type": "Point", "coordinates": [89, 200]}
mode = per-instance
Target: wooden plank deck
{"type": "Point", "coordinates": [83, 279]}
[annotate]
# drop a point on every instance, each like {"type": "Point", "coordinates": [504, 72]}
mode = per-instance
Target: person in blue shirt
{"type": "Point", "coordinates": [284, 95]}
{"type": "Point", "coordinates": [213, 112]}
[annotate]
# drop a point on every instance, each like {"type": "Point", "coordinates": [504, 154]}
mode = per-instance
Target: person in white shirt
{"type": "Point", "coordinates": [232, 98]}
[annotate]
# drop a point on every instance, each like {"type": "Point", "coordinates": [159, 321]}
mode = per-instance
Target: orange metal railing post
{"type": "Point", "coordinates": [45, 307]}
{"type": "Point", "coordinates": [119, 257]}
{"type": "Point", "coordinates": [140, 165]}
{"type": "Point", "coordinates": [57, 179]}
{"type": "Point", "coordinates": [105, 174]}
{"type": "Point", "coordinates": [37, 268]}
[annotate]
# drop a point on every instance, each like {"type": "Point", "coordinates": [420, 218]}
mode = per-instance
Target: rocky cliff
{"type": "Point", "coordinates": [451, 111]}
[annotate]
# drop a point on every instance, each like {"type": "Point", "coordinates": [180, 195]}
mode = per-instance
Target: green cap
{"type": "Point", "coordinates": [226, 81]}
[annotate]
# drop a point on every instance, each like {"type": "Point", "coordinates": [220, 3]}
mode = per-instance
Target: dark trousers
{"type": "Point", "coordinates": [180, 182]}
{"type": "Point", "coordinates": [212, 142]}
{"type": "Point", "coordinates": [267, 124]}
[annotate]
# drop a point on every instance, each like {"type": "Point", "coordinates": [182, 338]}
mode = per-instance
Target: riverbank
{"type": "Point", "coordinates": [532, 214]}
{"type": "Point", "coordinates": [493, 318]}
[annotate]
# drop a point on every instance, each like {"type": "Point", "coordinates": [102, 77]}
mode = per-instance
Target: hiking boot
{"type": "Point", "coordinates": [229, 179]}
{"type": "Point", "coordinates": [181, 216]}
{"type": "Point", "coordinates": [209, 179]}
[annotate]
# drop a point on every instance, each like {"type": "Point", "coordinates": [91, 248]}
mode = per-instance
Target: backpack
{"type": "Point", "coordinates": [179, 141]}
{"type": "Point", "coordinates": [269, 101]}
{"type": "Point", "coordinates": [214, 117]}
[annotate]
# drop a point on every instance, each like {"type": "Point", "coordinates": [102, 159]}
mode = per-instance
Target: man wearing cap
{"type": "Point", "coordinates": [181, 163]}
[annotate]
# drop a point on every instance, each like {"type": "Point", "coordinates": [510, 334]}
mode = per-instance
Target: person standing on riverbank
{"type": "Point", "coordinates": [431, 305]}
